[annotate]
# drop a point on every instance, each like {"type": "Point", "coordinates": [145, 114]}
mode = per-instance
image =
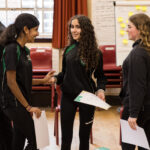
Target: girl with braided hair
{"type": "Point", "coordinates": [17, 80]}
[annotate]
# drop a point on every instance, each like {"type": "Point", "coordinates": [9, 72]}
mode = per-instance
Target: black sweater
{"type": "Point", "coordinates": [136, 80]}
{"type": "Point", "coordinates": [74, 78]}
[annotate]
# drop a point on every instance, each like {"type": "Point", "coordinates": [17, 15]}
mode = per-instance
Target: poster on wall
{"type": "Point", "coordinates": [123, 10]}
{"type": "Point", "coordinates": [103, 21]}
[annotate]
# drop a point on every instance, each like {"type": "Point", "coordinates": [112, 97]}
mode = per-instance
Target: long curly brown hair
{"type": "Point", "coordinates": [88, 48]}
{"type": "Point", "coordinates": [142, 23]}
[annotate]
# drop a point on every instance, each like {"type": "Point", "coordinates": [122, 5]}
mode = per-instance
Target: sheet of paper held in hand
{"type": "Point", "coordinates": [91, 99]}
{"type": "Point", "coordinates": [41, 130]}
{"type": "Point", "coordinates": [135, 137]}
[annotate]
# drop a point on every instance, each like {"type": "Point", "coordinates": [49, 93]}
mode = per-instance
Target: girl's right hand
{"type": "Point", "coordinates": [53, 80]}
{"type": "Point", "coordinates": [35, 110]}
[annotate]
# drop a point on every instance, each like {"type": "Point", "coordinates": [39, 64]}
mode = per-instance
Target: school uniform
{"type": "Point", "coordinates": [73, 79]}
{"type": "Point", "coordinates": [5, 123]}
{"type": "Point", "coordinates": [135, 93]}
{"type": "Point", "coordinates": [17, 58]}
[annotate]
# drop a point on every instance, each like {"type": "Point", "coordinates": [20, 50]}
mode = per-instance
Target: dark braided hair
{"type": "Point", "coordinates": [12, 32]}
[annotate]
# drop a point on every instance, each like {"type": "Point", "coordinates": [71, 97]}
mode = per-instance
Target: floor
{"type": "Point", "coordinates": [105, 130]}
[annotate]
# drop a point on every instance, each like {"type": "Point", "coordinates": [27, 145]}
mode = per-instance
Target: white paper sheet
{"type": "Point", "coordinates": [91, 99]}
{"type": "Point", "coordinates": [41, 130]}
{"type": "Point", "coordinates": [135, 137]}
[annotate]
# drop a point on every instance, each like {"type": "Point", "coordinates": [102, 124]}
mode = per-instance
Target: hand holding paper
{"type": "Point", "coordinates": [101, 94]}
{"type": "Point", "coordinates": [91, 99]}
{"type": "Point", "coordinates": [132, 122]}
{"type": "Point", "coordinates": [135, 137]}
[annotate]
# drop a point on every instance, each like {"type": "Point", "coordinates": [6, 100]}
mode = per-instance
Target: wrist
{"type": "Point", "coordinates": [28, 108]}
{"type": "Point", "coordinates": [55, 79]}
{"type": "Point", "coordinates": [100, 90]}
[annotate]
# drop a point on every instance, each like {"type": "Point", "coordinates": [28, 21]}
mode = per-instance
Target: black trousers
{"type": "Point", "coordinates": [5, 132]}
{"type": "Point", "coordinates": [23, 128]}
{"type": "Point", "coordinates": [142, 121]}
{"type": "Point", "coordinates": [86, 115]}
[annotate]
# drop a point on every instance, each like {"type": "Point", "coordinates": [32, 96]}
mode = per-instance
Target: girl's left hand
{"type": "Point", "coordinates": [101, 94]}
{"type": "Point", "coordinates": [132, 122]}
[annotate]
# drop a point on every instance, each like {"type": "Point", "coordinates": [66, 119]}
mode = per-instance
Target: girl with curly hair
{"type": "Point", "coordinates": [135, 93]}
{"type": "Point", "coordinates": [81, 59]}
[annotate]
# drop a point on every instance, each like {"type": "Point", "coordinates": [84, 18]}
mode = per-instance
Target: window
{"type": "Point", "coordinates": [42, 9]}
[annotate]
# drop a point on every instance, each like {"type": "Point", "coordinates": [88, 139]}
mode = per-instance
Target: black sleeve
{"type": "Point", "coordinates": [60, 76]}
{"type": "Point", "coordinates": [11, 56]}
{"type": "Point", "coordinates": [1, 52]}
{"type": "Point", "coordinates": [99, 73]}
{"type": "Point", "coordinates": [137, 83]}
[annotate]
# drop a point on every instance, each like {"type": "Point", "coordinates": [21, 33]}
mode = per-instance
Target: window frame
{"type": "Point", "coordinates": [43, 38]}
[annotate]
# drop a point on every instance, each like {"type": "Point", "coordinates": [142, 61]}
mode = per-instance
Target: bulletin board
{"type": "Point", "coordinates": [123, 10]}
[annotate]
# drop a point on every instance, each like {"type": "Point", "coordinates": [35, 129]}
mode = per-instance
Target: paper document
{"type": "Point", "coordinates": [135, 137]}
{"type": "Point", "coordinates": [91, 99]}
{"type": "Point", "coordinates": [41, 130]}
